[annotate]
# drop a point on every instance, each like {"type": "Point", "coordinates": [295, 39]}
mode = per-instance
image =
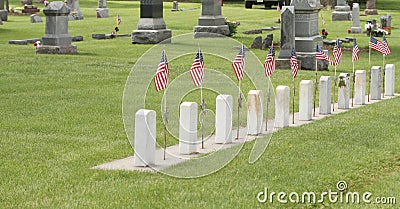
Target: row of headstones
{"type": "Point", "coordinates": [145, 120]}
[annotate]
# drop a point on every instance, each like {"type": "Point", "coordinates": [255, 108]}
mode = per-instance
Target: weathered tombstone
{"type": "Point", "coordinates": [287, 32]}
{"type": "Point", "coordinates": [282, 100]}
{"type": "Point", "coordinates": [211, 22]}
{"type": "Point", "coordinates": [306, 33]}
{"type": "Point", "coordinates": [102, 10]}
{"type": "Point", "coordinates": [254, 112]}
{"type": "Point", "coordinates": [175, 6]}
{"type": "Point", "coordinates": [325, 93]}
{"type": "Point", "coordinates": [188, 128]}
{"type": "Point", "coordinates": [223, 119]}
{"type": "Point", "coordinates": [257, 43]}
{"type": "Point", "coordinates": [145, 138]}
{"type": "Point", "coordinates": [305, 103]}
{"type": "Point", "coordinates": [376, 82]}
{"type": "Point", "coordinates": [151, 25]}
{"type": "Point", "coordinates": [36, 18]}
{"type": "Point", "coordinates": [75, 13]}
{"type": "Point", "coordinates": [344, 91]}
{"type": "Point", "coordinates": [342, 11]}
{"type": "Point", "coordinates": [3, 12]}
{"type": "Point", "coordinates": [356, 19]}
{"type": "Point", "coordinates": [371, 8]}
{"type": "Point", "coordinates": [56, 40]}
{"type": "Point", "coordinates": [266, 44]}
{"type": "Point", "coordinates": [389, 79]}
{"type": "Point", "coordinates": [389, 20]}
{"type": "Point", "coordinates": [359, 87]}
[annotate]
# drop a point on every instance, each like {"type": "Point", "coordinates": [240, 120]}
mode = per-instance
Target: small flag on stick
{"type": "Point", "coordinates": [385, 47]}
{"type": "Point", "coordinates": [269, 63]}
{"type": "Point", "coordinates": [321, 55]}
{"type": "Point", "coordinates": [238, 64]}
{"type": "Point", "coordinates": [161, 78]}
{"type": "Point", "coordinates": [337, 53]}
{"type": "Point", "coordinates": [356, 51]}
{"type": "Point", "coordinates": [197, 69]}
{"type": "Point", "coordinates": [293, 63]}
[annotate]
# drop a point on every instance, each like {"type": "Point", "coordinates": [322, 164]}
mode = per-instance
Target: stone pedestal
{"type": "Point", "coordinates": [151, 25]}
{"type": "Point", "coordinates": [254, 112]}
{"type": "Point", "coordinates": [287, 32]}
{"type": "Point", "coordinates": [325, 93]}
{"type": "Point", "coordinates": [102, 10]}
{"type": "Point", "coordinates": [306, 33]}
{"type": "Point", "coordinates": [282, 101]}
{"type": "Point", "coordinates": [389, 79]}
{"type": "Point", "coordinates": [360, 86]}
{"type": "Point", "coordinates": [211, 22]}
{"type": "Point", "coordinates": [145, 138]}
{"type": "Point", "coordinates": [342, 11]}
{"type": "Point", "coordinates": [305, 100]}
{"type": "Point", "coordinates": [56, 40]}
{"type": "Point", "coordinates": [188, 128]}
{"type": "Point", "coordinates": [376, 82]}
{"type": "Point", "coordinates": [356, 19]}
{"type": "Point", "coordinates": [344, 91]}
{"type": "Point", "coordinates": [223, 119]}
{"type": "Point", "coordinates": [75, 13]}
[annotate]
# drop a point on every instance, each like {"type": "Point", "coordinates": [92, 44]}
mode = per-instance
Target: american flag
{"type": "Point", "coordinates": [118, 20]}
{"type": "Point", "coordinates": [269, 63]}
{"type": "Point", "coordinates": [375, 44]}
{"type": "Point", "coordinates": [337, 53]}
{"type": "Point", "coordinates": [161, 78]}
{"type": "Point", "coordinates": [293, 63]}
{"type": "Point", "coordinates": [239, 64]}
{"type": "Point", "coordinates": [197, 69]}
{"type": "Point", "coordinates": [356, 50]}
{"type": "Point", "coordinates": [385, 47]}
{"type": "Point", "coordinates": [321, 55]}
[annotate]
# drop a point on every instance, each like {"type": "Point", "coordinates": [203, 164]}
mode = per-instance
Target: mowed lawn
{"type": "Point", "coordinates": [62, 114]}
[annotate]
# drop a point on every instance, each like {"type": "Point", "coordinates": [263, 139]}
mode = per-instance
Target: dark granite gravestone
{"type": "Point", "coordinates": [3, 12]}
{"type": "Point", "coordinates": [102, 10]}
{"type": "Point", "coordinates": [257, 43]}
{"type": "Point", "coordinates": [287, 32]}
{"type": "Point", "coordinates": [151, 25]}
{"type": "Point", "coordinates": [306, 33]}
{"type": "Point", "coordinates": [35, 18]}
{"type": "Point", "coordinates": [211, 22]}
{"type": "Point", "coordinates": [57, 40]}
{"type": "Point", "coordinates": [342, 11]}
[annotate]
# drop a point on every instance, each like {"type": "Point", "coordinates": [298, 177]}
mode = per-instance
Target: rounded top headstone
{"type": "Point", "coordinates": [56, 8]}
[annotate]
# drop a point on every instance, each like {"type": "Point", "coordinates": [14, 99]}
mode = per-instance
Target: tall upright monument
{"type": "Point", "coordinates": [151, 25]}
{"type": "Point", "coordinates": [211, 21]}
{"type": "Point", "coordinates": [306, 33]}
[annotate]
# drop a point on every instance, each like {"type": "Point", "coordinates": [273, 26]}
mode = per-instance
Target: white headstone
{"type": "Point", "coordinates": [359, 87]}
{"type": "Point", "coordinates": [344, 91]}
{"type": "Point", "coordinates": [389, 79]}
{"type": "Point", "coordinates": [188, 128]}
{"type": "Point", "coordinates": [254, 112]}
{"type": "Point", "coordinates": [376, 82]}
{"type": "Point", "coordinates": [145, 137]}
{"type": "Point", "coordinates": [223, 119]}
{"type": "Point", "coordinates": [305, 104]}
{"type": "Point", "coordinates": [282, 100]}
{"type": "Point", "coordinates": [325, 93]}
{"type": "Point", "coordinates": [356, 19]}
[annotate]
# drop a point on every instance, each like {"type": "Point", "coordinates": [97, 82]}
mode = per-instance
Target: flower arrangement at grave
{"type": "Point", "coordinates": [324, 33]}
{"type": "Point", "coordinates": [232, 27]}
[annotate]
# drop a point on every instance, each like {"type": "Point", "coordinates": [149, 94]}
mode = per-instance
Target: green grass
{"type": "Point", "coordinates": [62, 115]}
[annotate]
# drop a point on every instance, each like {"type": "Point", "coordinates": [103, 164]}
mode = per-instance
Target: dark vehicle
{"type": "Point", "coordinates": [267, 3]}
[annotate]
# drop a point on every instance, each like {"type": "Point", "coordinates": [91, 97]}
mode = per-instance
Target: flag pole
{"type": "Point", "coordinates": [238, 113]}
{"type": "Point", "coordinates": [369, 66]}
{"type": "Point", "coordinates": [316, 83]}
{"type": "Point", "coordinates": [268, 100]}
{"type": "Point", "coordinates": [334, 91]}
{"type": "Point", "coordinates": [383, 76]}
{"type": "Point", "coordinates": [352, 92]}
{"type": "Point", "coordinates": [165, 122]}
{"type": "Point", "coordinates": [294, 94]}
{"type": "Point", "coordinates": [203, 107]}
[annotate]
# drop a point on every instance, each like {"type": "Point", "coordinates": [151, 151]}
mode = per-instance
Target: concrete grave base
{"type": "Point", "coordinates": [285, 64]}
{"type": "Point", "coordinates": [102, 12]}
{"type": "Point", "coordinates": [371, 11]}
{"type": "Point", "coordinates": [308, 61]}
{"type": "Point", "coordinates": [63, 49]}
{"type": "Point", "coordinates": [356, 30]}
{"type": "Point", "coordinates": [341, 16]}
{"type": "Point", "coordinates": [151, 36]}
{"type": "Point", "coordinates": [211, 31]}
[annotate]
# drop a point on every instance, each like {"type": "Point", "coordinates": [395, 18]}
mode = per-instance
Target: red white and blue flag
{"type": "Point", "coordinates": [356, 51]}
{"type": "Point", "coordinates": [161, 77]}
{"type": "Point", "coordinates": [321, 55]}
{"type": "Point", "coordinates": [375, 44]}
{"type": "Point", "coordinates": [238, 64]}
{"type": "Point", "coordinates": [197, 69]}
{"type": "Point", "coordinates": [293, 63]}
{"type": "Point", "coordinates": [269, 62]}
{"type": "Point", "coordinates": [337, 53]}
{"type": "Point", "coordinates": [385, 47]}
